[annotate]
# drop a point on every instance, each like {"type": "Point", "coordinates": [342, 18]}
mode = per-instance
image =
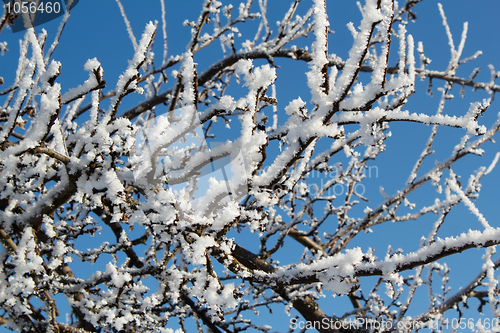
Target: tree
{"type": "Point", "coordinates": [181, 184]}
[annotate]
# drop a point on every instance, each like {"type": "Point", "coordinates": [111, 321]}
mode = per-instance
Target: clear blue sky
{"type": "Point", "coordinates": [96, 29]}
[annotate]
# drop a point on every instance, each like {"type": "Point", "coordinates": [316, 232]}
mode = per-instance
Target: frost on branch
{"type": "Point", "coordinates": [218, 197]}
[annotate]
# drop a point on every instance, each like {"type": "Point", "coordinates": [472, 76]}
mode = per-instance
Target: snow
{"type": "Point", "coordinates": [370, 15]}
{"type": "Point", "coordinates": [117, 278]}
{"type": "Point", "coordinates": [188, 77]}
{"type": "Point", "coordinates": [453, 185]}
{"type": "Point", "coordinates": [128, 80]}
{"type": "Point", "coordinates": [316, 77]}
{"type": "Point", "coordinates": [296, 107]}
{"type": "Point", "coordinates": [149, 174]}
{"type": "Point", "coordinates": [92, 65]}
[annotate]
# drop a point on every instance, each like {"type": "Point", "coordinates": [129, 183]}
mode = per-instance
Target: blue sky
{"type": "Point", "coordinates": [96, 29]}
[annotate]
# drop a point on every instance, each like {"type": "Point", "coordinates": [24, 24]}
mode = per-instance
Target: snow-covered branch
{"type": "Point", "coordinates": [220, 191]}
